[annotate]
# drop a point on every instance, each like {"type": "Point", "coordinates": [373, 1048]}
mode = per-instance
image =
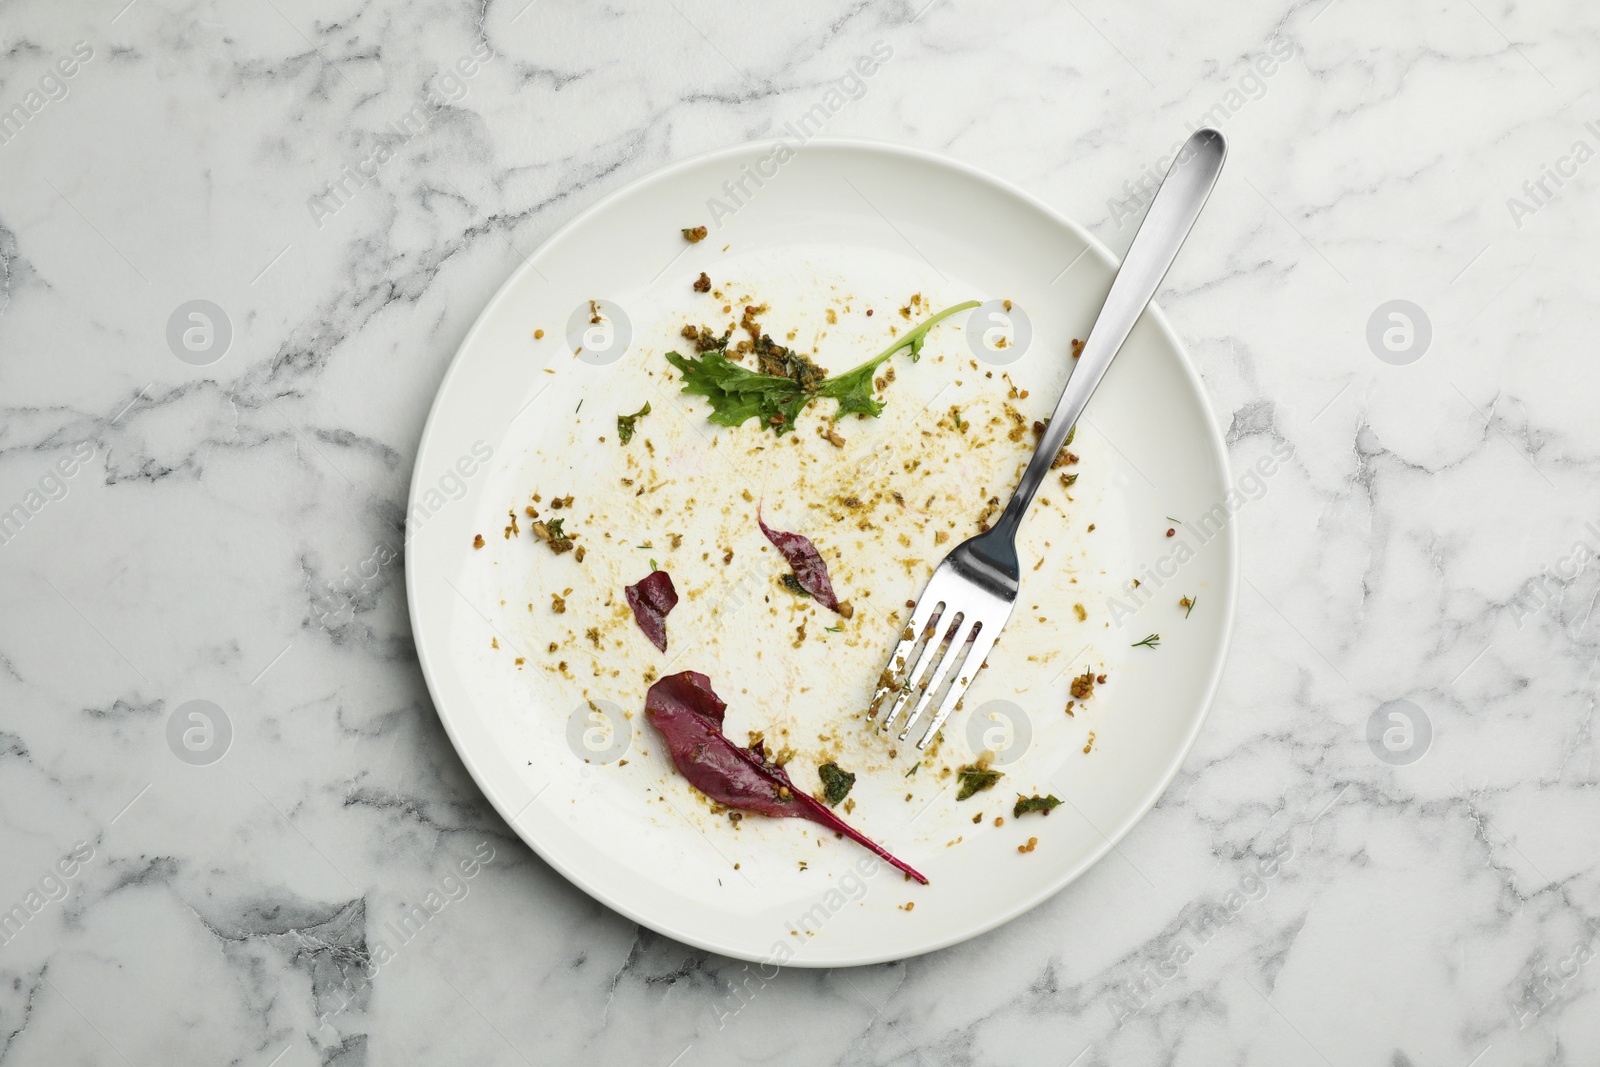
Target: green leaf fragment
{"type": "Point", "coordinates": [1044, 805]}
{"type": "Point", "coordinates": [836, 783]}
{"type": "Point", "coordinates": [975, 779]}
{"type": "Point", "coordinates": [738, 395]}
{"type": "Point", "coordinates": [625, 423]}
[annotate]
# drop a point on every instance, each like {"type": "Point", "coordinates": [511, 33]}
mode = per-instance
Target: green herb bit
{"type": "Point", "coordinates": [1150, 642]}
{"type": "Point", "coordinates": [912, 771]}
{"type": "Point", "coordinates": [738, 394]}
{"type": "Point", "coordinates": [549, 531]}
{"type": "Point", "coordinates": [653, 566]}
{"type": "Point", "coordinates": [625, 423]}
{"type": "Point", "coordinates": [791, 583]}
{"type": "Point", "coordinates": [1188, 604]}
{"type": "Point", "coordinates": [975, 779]}
{"type": "Point", "coordinates": [836, 783]}
{"type": "Point", "coordinates": [578, 408]}
{"type": "Point", "coordinates": [834, 629]}
{"type": "Point", "coordinates": [1043, 805]}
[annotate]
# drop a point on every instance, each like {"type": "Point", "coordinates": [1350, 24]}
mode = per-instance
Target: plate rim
{"type": "Point", "coordinates": [1213, 437]}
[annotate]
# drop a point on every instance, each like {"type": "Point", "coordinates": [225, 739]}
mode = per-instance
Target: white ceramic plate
{"type": "Point", "coordinates": [548, 716]}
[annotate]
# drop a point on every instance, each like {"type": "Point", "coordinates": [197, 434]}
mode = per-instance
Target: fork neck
{"type": "Point", "coordinates": [1167, 222]}
{"type": "Point", "coordinates": [1005, 527]}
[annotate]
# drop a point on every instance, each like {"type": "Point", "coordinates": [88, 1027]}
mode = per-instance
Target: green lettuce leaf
{"type": "Point", "coordinates": [738, 395]}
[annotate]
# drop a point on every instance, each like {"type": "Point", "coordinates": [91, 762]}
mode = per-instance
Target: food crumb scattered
{"type": "Point", "coordinates": [477, 542]}
{"type": "Point", "coordinates": [1080, 611]}
{"type": "Point", "coordinates": [702, 284]}
{"type": "Point", "coordinates": [694, 234]}
{"type": "Point", "coordinates": [1033, 843]}
{"type": "Point", "coordinates": [538, 335]}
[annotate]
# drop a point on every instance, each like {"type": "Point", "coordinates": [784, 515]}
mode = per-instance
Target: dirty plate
{"type": "Point", "coordinates": [539, 672]}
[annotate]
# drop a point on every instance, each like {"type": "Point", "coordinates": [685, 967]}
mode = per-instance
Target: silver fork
{"type": "Point", "coordinates": [975, 587]}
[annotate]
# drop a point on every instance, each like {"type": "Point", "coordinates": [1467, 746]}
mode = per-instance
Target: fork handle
{"type": "Point", "coordinates": [1177, 203]}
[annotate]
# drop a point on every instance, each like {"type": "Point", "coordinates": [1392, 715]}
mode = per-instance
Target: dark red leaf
{"type": "Point", "coordinates": [688, 714]}
{"type": "Point", "coordinates": [809, 568]}
{"type": "Point", "coordinates": [651, 598]}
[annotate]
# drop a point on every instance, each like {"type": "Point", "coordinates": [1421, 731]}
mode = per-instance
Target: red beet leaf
{"type": "Point", "coordinates": [809, 568]}
{"type": "Point", "coordinates": [689, 716]}
{"type": "Point", "coordinates": [651, 598]}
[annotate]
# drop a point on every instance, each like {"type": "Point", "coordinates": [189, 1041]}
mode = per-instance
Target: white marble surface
{"type": "Point", "coordinates": [1441, 912]}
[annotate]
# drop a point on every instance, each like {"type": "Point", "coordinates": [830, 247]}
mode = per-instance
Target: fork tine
{"type": "Point", "coordinates": [954, 654]}
{"type": "Point", "coordinates": [898, 669]}
{"type": "Point", "coordinates": [982, 645]}
{"type": "Point", "coordinates": [908, 685]}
